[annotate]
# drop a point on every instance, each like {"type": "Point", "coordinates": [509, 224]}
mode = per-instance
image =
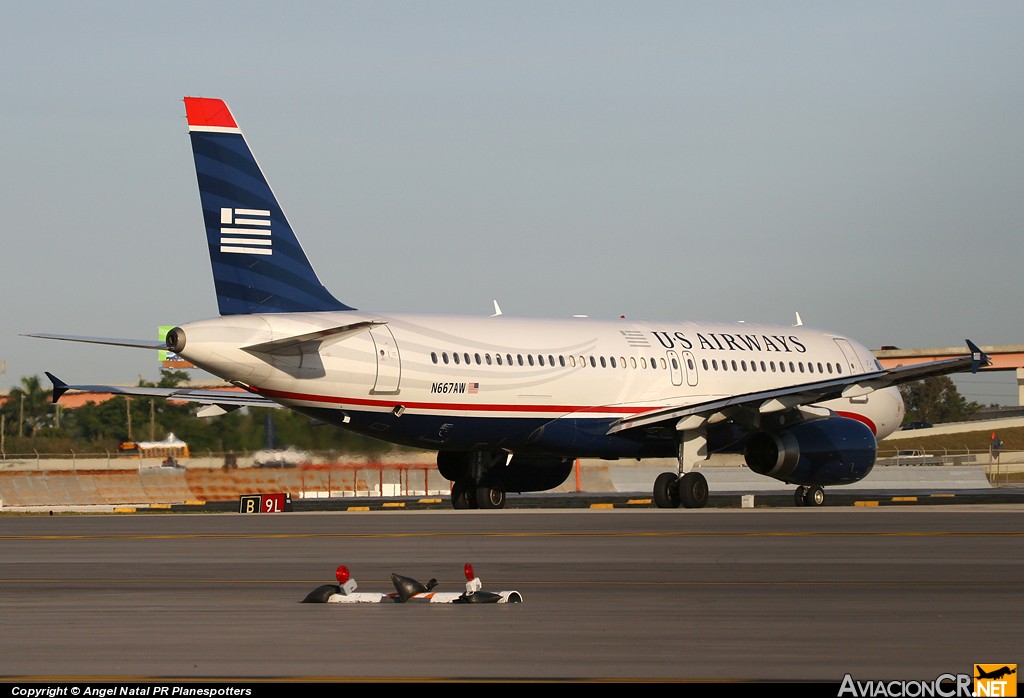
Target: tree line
{"type": "Point", "coordinates": [31, 422]}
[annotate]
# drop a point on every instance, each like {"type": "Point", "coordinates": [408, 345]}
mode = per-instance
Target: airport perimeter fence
{"type": "Point", "coordinates": [41, 479]}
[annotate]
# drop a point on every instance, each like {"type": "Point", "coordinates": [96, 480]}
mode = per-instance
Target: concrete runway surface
{"type": "Point", "coordinates": [786, 594]}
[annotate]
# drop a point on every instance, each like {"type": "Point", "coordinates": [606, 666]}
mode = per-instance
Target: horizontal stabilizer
{"type": "Point", "coordinates": [227, 399]}
{"type": "Point", "coordinates": [137, 343]}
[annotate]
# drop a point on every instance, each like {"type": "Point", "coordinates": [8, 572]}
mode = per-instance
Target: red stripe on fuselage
{"type": "Point", "coordinates": [360, 402]}
{"type": "Point", "coordinates": [860, 418]}
{"type": "Point", "coordinates": [456, 407]}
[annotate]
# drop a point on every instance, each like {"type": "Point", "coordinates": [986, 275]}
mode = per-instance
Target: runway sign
{"type": "Point", "coordinates": [264, 503]}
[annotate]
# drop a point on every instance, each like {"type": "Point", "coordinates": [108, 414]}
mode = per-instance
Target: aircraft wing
{"type": "Point", "coordinates": [227, 400]}
{"type": "Point", "coordinates": [805, 394]}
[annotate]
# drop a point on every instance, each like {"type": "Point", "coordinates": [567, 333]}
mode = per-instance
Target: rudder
{"type": "Point", "coordinates": [258, 264]}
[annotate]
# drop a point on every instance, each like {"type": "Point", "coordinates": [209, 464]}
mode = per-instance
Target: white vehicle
{"type": "Point", "coordinates": [912, 456]}
{"type": "Point", "coordinates": [510, 403]}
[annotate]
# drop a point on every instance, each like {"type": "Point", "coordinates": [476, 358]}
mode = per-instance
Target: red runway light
{"type": "Point", "coordinates": [342, 574]}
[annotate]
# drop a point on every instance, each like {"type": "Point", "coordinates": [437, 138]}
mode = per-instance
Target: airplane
{"type": "Point", "coordinates": [509, 404]}
{"type": "Point", "coordinates": [996, 674]}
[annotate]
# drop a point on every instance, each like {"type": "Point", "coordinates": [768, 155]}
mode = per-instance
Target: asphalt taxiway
{"type": "Point", "coordinates": [719, 594]}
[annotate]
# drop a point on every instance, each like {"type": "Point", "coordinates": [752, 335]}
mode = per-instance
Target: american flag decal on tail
{"type": "Point", "coordinates": [245, 231]}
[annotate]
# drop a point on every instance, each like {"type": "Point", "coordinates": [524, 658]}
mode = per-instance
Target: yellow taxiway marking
{"type": "Point", "coordinates": [523, 534]}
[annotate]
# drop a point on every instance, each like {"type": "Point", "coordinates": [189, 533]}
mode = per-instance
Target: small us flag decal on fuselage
{"type": "Point", "coordinates": [245, 231]}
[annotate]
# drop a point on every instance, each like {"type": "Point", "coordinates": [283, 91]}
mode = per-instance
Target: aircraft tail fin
{"type": "Point", "coordinates": [258, 264]}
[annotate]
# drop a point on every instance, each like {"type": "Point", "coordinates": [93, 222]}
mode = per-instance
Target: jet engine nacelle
{"type": "Point", "coordinates": [831, 451]}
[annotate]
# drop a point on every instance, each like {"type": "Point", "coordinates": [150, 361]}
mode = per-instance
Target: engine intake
{"type": "Point", "coordinates": [831, 451]}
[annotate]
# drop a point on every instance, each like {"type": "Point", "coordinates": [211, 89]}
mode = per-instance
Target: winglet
{"type": "Point", "coordinates": [978, 357]}
{"type": "Point", "coordinates": [59, 386]}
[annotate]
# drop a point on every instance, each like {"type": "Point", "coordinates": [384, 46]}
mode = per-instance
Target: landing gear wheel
{"type": "Point", "coordinates": [463, 495]}
{"type": "Point", "coordinates": [799, 495]}
{"type": "Point", "coordinates": [490, 497]}
{"type": "Point", "coordinates": [693, 491]}
{"type": "Point", "coordinates": [666, 491]}
{"type": "Point", "coordinates": [814, 496]}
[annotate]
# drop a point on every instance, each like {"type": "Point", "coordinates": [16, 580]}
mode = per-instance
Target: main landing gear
{"type": "Point", "coordinates": [690, 490]}
{"type": "Point", "coordinates": [476, 479]}
{"type": "Point", "coordinates": [809, 496]}
{"type": "Point", "coordinates": [467, 495]}
{"type": "Point", "coordinates": [687, 487]}
{"type": "Point", "coordinates": [480, 479]}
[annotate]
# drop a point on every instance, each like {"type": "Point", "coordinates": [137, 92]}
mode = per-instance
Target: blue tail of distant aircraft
{"type": "Point", "coordinates": [258, 264]}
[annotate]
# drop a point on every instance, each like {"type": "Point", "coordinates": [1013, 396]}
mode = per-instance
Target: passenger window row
{"type": "Point", "coordinates": [570, 361]}
{"type": "Point", "coordinates": [636, 362]}
{"type": "Point", "coordinates": [772, 367]}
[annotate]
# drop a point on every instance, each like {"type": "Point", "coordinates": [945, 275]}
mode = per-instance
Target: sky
{"type": "Point", "coordinates": [858, 163]}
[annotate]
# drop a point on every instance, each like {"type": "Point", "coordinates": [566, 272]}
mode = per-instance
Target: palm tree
{"type": "Point", "coordinates": [32, 403]}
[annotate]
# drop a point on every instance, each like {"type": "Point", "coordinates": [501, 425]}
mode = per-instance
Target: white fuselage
{"type": "Point", "coordinates": [471, 370]}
